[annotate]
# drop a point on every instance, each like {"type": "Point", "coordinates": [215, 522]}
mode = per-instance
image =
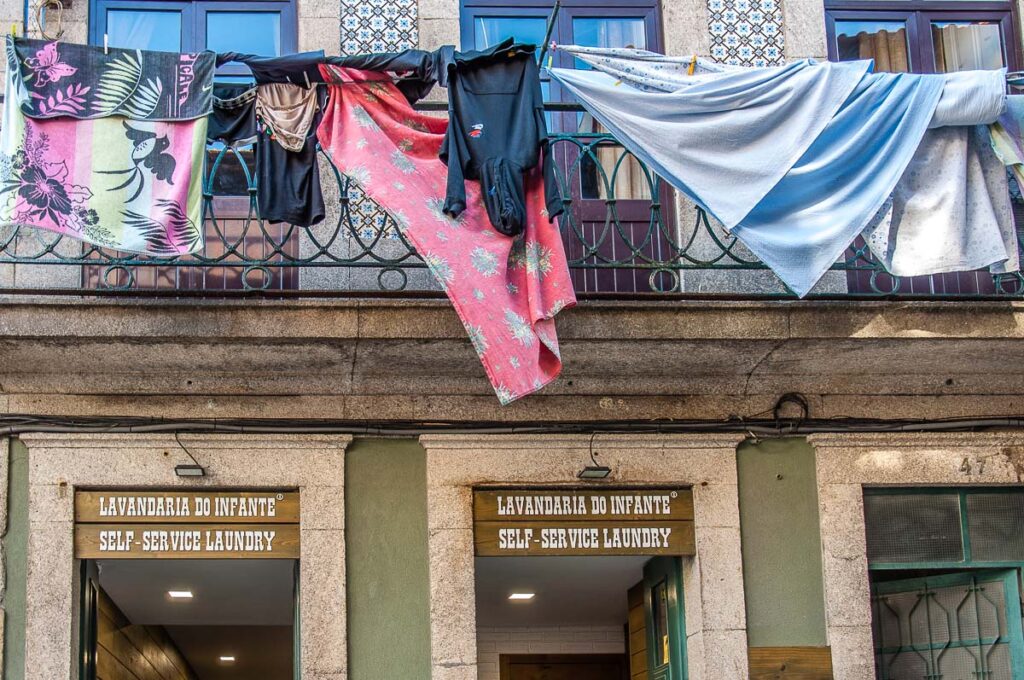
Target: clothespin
{"type": "Point", "coordinates": [14, 30]}
{"type": "Point", "coordinates": [693, 65]}
{"type": "Point", "coordinates": [106, 49]}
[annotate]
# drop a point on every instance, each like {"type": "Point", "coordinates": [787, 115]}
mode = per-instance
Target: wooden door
{"type": "Point", "coordinates": [665, 619]}
{"type": "Point", "coordinates": [563, 667]}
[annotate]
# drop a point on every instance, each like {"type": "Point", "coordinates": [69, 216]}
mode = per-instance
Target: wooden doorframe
{"type": "Point", "coordinates": [505, 661]}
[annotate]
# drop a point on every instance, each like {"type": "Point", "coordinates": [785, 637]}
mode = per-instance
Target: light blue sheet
{"type": "Point", "coordinates": [794, 160]}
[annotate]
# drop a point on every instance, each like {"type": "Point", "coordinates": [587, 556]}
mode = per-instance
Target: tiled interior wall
{"type": "Point", "coordinates": [492, 642]}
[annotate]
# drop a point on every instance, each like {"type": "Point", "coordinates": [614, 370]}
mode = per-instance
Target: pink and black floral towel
{"type": "Point", "coordinates": [113, 160]}
{"type": "Point", "coordinates": [506, 290]}
{"type": "Point", "coordinates": [80, 81]}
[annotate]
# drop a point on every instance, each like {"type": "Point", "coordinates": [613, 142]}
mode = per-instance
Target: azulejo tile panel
{"type": "Point", "coordinates": [746, 32]}
{"type": "Point", "coordinates": [378, 25]}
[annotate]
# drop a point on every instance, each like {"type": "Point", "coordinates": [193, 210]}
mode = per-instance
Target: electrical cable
{"type": "Point", "coordinates": [12, 425]}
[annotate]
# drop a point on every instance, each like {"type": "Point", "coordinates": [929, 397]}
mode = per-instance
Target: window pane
{"type": "Point", "coordinates": [491, 30]}
{"type": "Point", "coordinates": [629, 181]}
{"type": "Point", "coordinates": [144, 30]}
{"type": "Point", "coordinates": [995, 521]}
{"type": "Point", "coordinates": [913, 528]}
{"type": "Point", "coordinates": [659, 613]}
{"type": "Point", "coordinates": [247, 32]}
{"type": "Point", "coordinates": [883, 41]}
{"type": "Point", "coordinates": [610, 32]}
{"type": "Point", "coordinates": [963, 46]}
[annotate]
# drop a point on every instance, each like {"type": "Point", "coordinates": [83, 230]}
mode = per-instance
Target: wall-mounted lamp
{"type": "Point", "coordinates": [594, 471]}
{"type": "Point", "coordinates": [189, 470]}
{"type": "Point", "coordinates": [186, 470]}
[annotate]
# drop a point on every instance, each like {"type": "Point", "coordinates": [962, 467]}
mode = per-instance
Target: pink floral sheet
{"type": "Point", "coordinates": [132, 185]}
{"type": "Point", "coordinates": [506, 290]}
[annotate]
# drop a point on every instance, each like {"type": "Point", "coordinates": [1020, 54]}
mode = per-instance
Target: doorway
{"type": "Point", "coordinates": [188, 585]}
{"type": "Point", "coordinates": [189, 619]}
{"type": "Point", "coordinates": [581, 584]}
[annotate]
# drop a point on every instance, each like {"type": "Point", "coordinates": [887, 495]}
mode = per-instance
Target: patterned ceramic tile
{"type": "Point", "coordinates": [746, 32]}
{"type": "Point", "coordinates": [376, 26]}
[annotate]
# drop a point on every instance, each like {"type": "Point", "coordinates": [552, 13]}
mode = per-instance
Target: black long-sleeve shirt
{"type": "Point", "coordinates": [497, 132]}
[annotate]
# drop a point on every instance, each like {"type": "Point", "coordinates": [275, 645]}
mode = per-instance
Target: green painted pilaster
{"type": "Point", "coordinates": [386, 552]}
{"type": "Point", "coordinates": [16, 562]}
{"type": "Point", "coordinates": [781, 544]}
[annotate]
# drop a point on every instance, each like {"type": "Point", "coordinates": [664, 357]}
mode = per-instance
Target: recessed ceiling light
{"type": "Point", "coordinates": [227, 659]}
{"type": "Point", "coordinates": [522, 597]}
{"type": "Point", "coordinates": [179, 594]}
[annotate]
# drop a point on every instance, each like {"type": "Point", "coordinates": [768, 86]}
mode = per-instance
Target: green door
{"type": "Point", "coordinates": [960, 625]}
{"type": "Point", "coordinates": [664, 614]}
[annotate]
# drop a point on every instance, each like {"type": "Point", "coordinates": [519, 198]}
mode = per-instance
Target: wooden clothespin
{"type": "Point", "coordinates": [693, 65]}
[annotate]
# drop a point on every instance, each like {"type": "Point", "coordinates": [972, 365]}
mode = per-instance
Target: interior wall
{"type": "Point", "coordinates": [15, 551]}
{"type": "Point", "coordinates": [128, 652]}
{"type": "Point", "coordinates": [494, 641]}
{"type": "Point", "coordinates": [386, 545]}
{"type": "Point", "coordinates": [782, 567]}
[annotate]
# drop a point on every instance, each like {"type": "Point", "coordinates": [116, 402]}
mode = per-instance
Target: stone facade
{"type": "Point", "coordinates": [846, 464]}
{"type": "Point", "coordinates": [61, 463]}
{"type": "Point", "coordinates": [712, 581]}
{"type": "Point", "coordinates": [405, 360]}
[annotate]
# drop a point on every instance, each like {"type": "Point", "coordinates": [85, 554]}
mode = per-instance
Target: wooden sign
{"type": "Point", "coordinates": [583, 522]}
{"type": "Point", "coordinates": [184, 541]}
{"type": "Point", "coordinates": [186, 524]}
{"type": "Point", "coordinates": [247, 507]}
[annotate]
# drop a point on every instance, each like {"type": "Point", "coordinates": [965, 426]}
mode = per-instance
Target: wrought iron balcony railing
{"type": "Point", "coordinates": [625, 233]}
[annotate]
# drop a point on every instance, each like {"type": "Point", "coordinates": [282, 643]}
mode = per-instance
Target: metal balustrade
{"type": "Point", "coordinates": [625, 233]}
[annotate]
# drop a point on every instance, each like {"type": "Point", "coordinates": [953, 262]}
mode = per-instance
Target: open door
{"type": "Point", "coordinates": [665, 619]}
{"type": "Point", "coordinates": [965, 624]}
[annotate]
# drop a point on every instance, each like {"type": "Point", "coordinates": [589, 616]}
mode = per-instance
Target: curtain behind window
{"type": "Point", "coordinates": [965, 47]}
{"type": "Point", "coordinates": [887, 48]}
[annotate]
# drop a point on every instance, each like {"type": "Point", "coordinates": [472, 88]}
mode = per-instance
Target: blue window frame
{"type": "Point", "coordinates": [264, 27]}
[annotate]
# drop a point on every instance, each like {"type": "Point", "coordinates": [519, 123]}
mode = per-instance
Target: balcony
{"type": "Point", "coordinates": [626, 234]}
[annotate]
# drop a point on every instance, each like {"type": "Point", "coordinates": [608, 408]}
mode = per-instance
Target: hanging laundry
{"type": "Point", "coordinates": [1008, 137]}
{"type": "Point", "coordinates": [794, 160]}
{"type": "Point", "coordinates": [298, 69]}
{"type": "Point", "coordinates": [130, 179]}
{"type": "Point", "coordinates": [417, 71]}
{"type": "Point", "coordinates": [65, 80]}
{"type": "Point", "coordinates": [497, 133]}
{"type": "Point", "coordinates": [233, 119]}
{"type": "Point", "coordinates": [287, 182]}
{"type": "Point", "coordinates": [505, 290]}
{"type": "Point", "coordinates": [950, 211]}
{"type": "Point", "coordinates": [287, 111]}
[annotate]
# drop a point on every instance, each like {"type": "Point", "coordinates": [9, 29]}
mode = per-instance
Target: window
{"type": "Point", "coordinates": [602, 171]}
{"type": "Point", "coordinates": [945, 569]}
{"type": "Point", "coordinates": [926, 37]}
{"type": "Point", "coordinates": [263, 27]}
{"type": "Point", "coordinates": [921, 36]}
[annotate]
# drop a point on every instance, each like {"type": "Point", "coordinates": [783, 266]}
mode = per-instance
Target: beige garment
{"type": "Point", "coordinates": [288, 111]}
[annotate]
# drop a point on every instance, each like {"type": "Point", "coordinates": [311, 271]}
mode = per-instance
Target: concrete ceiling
{"type": "Point", "coordinates": [227, 592]}
{"type": "Point", "coordinates": [240, 608]}
{"type": "Point", "coordinates": [570, 591]}
{"type": "Point", "coordinates": [263, 652]}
